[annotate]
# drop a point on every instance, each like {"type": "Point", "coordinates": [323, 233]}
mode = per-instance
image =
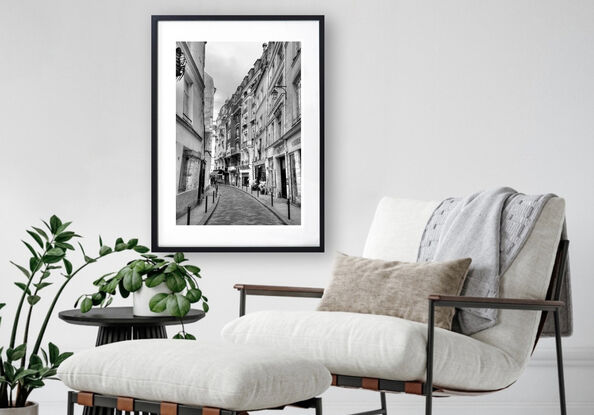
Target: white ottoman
{"type": "Point", "coordinates": [223, 375]}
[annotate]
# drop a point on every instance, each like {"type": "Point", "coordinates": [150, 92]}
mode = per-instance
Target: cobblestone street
{"type": "Point", "coordinates": [238, 208]}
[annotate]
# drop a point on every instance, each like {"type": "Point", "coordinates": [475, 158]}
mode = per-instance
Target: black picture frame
{"type": "Point", "coordinates": [155, 245]}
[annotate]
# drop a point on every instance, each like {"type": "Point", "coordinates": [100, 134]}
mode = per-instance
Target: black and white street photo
{"type": "Point", "coordinates": [238, 133]}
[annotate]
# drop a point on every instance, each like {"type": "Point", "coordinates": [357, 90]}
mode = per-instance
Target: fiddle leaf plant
{"type": "Point", "coordinates": [151, 271]}
{"type": "Point", "coordinates": [25, 365]}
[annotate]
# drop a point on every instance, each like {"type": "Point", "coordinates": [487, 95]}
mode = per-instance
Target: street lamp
{"type": "Point", "coordinates": [274, 92]}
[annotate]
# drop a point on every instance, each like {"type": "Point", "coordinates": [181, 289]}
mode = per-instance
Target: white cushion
{"type": "Point", "coordinates": [377, 346]}
{"type": "Point", "coordinates": [397, 228]}
{"type": "Point", "coordinates": [395, 235]}
{"type": "Point", "coordinates": [527, 277]}
{"type": "Point", "coordinates": [194, 373]}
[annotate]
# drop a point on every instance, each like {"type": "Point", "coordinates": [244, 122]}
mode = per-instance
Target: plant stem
{"type": "Point", "coordinates": [55, 300]}
{"type": "Point", "coordinates": [28, 323]}
{"type": "Point", "coordinates": [3, 388]}
{"type": "Point", "coordinates": [17, 315]}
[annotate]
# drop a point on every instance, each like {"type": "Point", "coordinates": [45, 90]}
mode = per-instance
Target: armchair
{"type": "Point", "coordinates": [388, 354]}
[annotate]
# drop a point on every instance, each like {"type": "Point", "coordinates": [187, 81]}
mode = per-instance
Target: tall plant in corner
{"type": "Point", "coordinates": [25, 365]}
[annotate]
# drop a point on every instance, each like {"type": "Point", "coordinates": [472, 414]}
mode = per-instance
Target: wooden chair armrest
{"type": "Point", "coordinates": [280, 291]}
{"type": "Point", "coordinates": [503, 303]}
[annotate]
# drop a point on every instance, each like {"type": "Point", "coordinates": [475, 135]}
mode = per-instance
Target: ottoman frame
{"type": "Point", "coordinates": [138, 406]}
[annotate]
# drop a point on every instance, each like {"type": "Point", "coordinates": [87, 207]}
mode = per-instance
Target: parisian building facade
{"type": "Point", "coordinates": [194, 95]}
{"type": "Point", "coordinates": [258, 129]}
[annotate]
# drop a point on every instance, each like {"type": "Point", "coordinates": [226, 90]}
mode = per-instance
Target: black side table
{"type": "Point", "coordinates": [119, 324]}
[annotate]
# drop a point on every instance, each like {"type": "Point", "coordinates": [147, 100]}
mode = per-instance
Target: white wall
{"type": "Point", "coordinates": [424, 100]}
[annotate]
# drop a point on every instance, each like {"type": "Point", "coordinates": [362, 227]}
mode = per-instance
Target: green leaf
{"type": "Point", "coordinates": [65, 245]}
{"type": "Point", "coordinates": [35, 362]}
{"type": "Point", "coordinates": [175, 282]}
{"type": "Point", "coordinates": [54, 352]}
{"type": "Point", "coordinates": [123, 291]}
{"type": "Point", "coordinates": [82, 249]}
{"type": "Point", "coordinates": [178, 257]}
{"type": "Point", "coordinates": [194, 295]}
{"type": "Point", "coordinates": [85, 306]}
{"type": "Point", "coordinates": [41, 232]}
{"type": "Point", "coordinates": [35, 264]}
{"type": "Point", "coordinates": [132, 281]}
{"type": "Point", "coordinates": [97, 298]}
{"type": "Point", "coordinates": [67, 266]}
{"type": "Point", "coordinates": [171, 267]}
{"type": "Point", "coordinates": [178, 336]}
{"type": "Point", "coordinates": [193, 269]}
{"type": "Point", "coordinates": [36, 237]}
{"type": "Point", "coordinates": [191, 282]}
{"type": "Point", "coordinates": [141, 249]}
{"type": "Point", "coordinates": [61, 358]}
{"type": "Point", "coordinates": [177, 305]}
{"type": "Point", "coordinates": [102, 278]}
{"type": "Point", "coordinates": [120, 247]}
{"type": "Point", "coordinates": [100, 241]}
{"type": "Point", "coordinates": [132, 243]}
{"type": "Point", "coordinates": [158, 303]}
{"type": "Point", "coordinates": [88, 259]}
{"type": "Point", "coordinates": [190, 336]}
{"type": "Point", "coordinates": [16, 353]}
{"type": "Point", "coordinates": [205, 307]}
{"type": "Point", "coordinates": [9, 372]}
{"type": "Point", "coordinates": [111, 285]}
{"type": "Point", "coordinates": [22, 269]}
{"type": "Point", "coordinates": [55, 224]}
{"type": "Point", "coordinates": [23, 287]}
{"type": "Point", "coordinates": [35, 383]}
{"type": "Point", "coordinates": [42, 285]}
{"type": "Point", "coordinates": [66, 236]}
{"type": "Point", "coordinates": [62, 227]}
{"type": "Point", "coordinates": [44, 354]}
{"type": "Point", "coordinates": [104, 250]}
{"type": "Point", "coordinates": [33, 299]}
{"type": "Point", "coordinates": [154, 280]}
{"type": "Point", "coordinates": [53, 255]}
{"type": "Point", "coordinates": [21, 373]}
{"type": "Point", "coordinates": [30, 248]}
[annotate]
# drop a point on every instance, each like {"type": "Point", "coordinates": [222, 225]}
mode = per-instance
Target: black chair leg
{"type": "Point", "coordinates": [383, 401]}
{"type": "Point", "coordinates": [70, 410]}
{"type": "Point", "coordinates": [318, 406]}
{"type": "Point", "coordinates": [560, 375]}
{"type": "Point", "coordinates": [429, 377]}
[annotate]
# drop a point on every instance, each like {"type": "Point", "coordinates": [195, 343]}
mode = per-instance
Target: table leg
{"type": "Point", "coordinates": [113, 334]}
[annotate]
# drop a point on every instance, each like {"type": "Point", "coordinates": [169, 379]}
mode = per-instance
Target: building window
{"type": "Point", "coordinates": [188, 99]}
{"type": "Point", "coordinates": [297, 86]}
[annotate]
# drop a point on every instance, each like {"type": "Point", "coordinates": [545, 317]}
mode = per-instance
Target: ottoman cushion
{"type": "Point", "coordinates": [222, 375]}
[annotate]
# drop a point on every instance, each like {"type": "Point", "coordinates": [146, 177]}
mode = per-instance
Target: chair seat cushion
{"type": "Point", "coordinates": [377, 346]}
{"type": "Point", "coordinates": [228, 376]}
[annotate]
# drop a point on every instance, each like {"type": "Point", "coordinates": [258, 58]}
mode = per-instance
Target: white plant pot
{"type": "Point", "coordinates": [32, 408]}
{"type": "Point", "coordinates": [141, 300]}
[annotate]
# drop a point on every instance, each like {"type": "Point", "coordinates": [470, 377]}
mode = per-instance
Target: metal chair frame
{"type": "Point", "coordinates": [427, 388]}
{"type": "Point", "coordinates": [124, 405]}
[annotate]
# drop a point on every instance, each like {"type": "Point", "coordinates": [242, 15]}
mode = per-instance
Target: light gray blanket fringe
{"type": "Point", "coordinates": [504, 219]}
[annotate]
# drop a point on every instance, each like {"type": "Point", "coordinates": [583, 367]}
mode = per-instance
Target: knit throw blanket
{"type": "Point", "coordinates": [490, 227]}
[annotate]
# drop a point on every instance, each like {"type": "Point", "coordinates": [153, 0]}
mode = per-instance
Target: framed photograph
{"type": "Point", "coordinates": [238, 133]}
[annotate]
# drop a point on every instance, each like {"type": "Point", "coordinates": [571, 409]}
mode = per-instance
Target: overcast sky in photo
{"type": "Point", "coordinates": [228, 63]}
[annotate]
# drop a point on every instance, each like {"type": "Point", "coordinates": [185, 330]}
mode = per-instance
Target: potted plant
{"type": "Point", "coordinates": [25, 365]}
{"type": "Point", "coordinates": [160, 286]}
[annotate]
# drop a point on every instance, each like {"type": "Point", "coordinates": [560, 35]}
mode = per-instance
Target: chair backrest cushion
{"type": "Point", "coordinates": [395, 235]}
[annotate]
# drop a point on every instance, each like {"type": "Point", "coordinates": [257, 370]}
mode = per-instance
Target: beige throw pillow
{"type": "Point", "coordinates": [393, 288]}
